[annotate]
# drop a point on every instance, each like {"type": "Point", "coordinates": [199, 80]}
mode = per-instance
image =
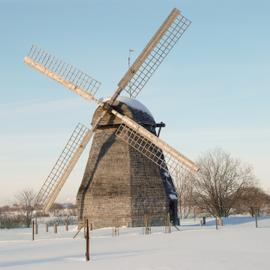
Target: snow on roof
{"type": "Point", "coordinates": [133, 103]}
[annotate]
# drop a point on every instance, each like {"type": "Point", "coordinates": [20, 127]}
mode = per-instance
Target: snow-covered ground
{"type": "Point", "coordinates": [237, 245]}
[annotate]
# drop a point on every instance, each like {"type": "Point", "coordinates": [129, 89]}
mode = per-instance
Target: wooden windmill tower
{"type": "Point", "coordinates": [130, 170]}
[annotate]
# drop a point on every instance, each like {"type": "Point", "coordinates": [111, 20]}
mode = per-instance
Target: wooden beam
{"type": "Point", "coordinates": [60, 182]}
{"type": "Point", "coordinates": [149, 47]}
{"type": "Point", "coordinates": [157, 141]}
{"type": "Point", "coordinates": [59, 79]}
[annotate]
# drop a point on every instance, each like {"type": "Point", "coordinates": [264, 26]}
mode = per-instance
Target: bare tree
{"type": "Point", "coordinates": [252, 200]}
{"type": "Point", "coordinates": [56, 208]}
{"type": "Point", "coordinates": [185, 188]}
{"type": "Point", "coordinates": [220, 181]}
{"type": "Point", "coordinates": [26, 201]}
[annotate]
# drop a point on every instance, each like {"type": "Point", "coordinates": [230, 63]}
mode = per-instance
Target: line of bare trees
{"type": "Point", "coordinates": [22, 212]}
{"type": "Point", "coordinates": [224, 185]}
{"type": "Point", "coordinates": [26, 199]}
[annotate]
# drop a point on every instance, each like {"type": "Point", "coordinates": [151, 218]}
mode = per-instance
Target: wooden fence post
{"type": "Point", "coordinates": [256, 218]}
{"type": "Point", "coordinates": [169, 223]}
{"type": "Point", "coordinates": [33, 230]}
{"type": "Point", "coordinates": [147, 224]}
{"type": "Point", "coordinates": [115, 231]}
{"type": "Point", "coordinates": [36, 228]}
{"type": "Point", "coordinates": [87, 253]}
{"type": "Point", "coordinates": [168, 228]}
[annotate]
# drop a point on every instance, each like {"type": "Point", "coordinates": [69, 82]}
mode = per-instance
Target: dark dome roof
{"type": "Point", "coordinates": [129, 107]}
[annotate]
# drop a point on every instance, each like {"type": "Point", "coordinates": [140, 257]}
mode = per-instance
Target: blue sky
{"type": "Point", "coordinates": [211, 91]}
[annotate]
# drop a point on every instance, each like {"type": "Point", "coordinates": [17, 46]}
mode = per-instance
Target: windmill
{"type": "Point", "coordinates": [130, 169]}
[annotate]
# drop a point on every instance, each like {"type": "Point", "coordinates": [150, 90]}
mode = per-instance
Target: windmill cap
{"type": "Point", "coordinates": [129, 107]}
{"type": "Point", "coordinates": [135, 104]}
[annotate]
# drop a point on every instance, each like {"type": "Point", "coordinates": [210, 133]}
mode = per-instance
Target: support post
{"type": "Point", "coordinates": [87, 253]}
{"type": "Point", "coordinates": [55, 228]}
{"type": "Point", "coordinates": [115, 228]}
{"type": "Point", "coordinates": [256, 218]}
{"type": "Point", "coordinates": [47, 227]}
{"type": "Point", "coordinates": [168, 228]}
{"type": "Point", "coordinates": [33, 230]}
{"type": "Point", "coordinates": [147, 224]}
{"type": "Point", "coordinates": [216, 223]}
{"type": "Point", "coordinates": [36, 228]}
{"type": "Point", "coordinates": [115, 231]}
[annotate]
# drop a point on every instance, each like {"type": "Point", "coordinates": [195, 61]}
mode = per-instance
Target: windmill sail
{"type": "Point", "coordinates": [69, 76]}
{"type": "Point", "coordinates": [63, 167]}
{"type": "Point", "coordinates": [152, 147]}
{"type": "Point", "coordinates": [154, 53]}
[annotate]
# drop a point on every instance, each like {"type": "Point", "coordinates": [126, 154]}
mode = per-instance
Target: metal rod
{"type": "Point", "coordinates": [129, 57]}
{"type": "Point", "coordinates": [79, 229]}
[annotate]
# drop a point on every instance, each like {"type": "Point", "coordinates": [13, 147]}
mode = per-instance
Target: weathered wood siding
{"type": "Point", "coordinates": [120, 186]}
